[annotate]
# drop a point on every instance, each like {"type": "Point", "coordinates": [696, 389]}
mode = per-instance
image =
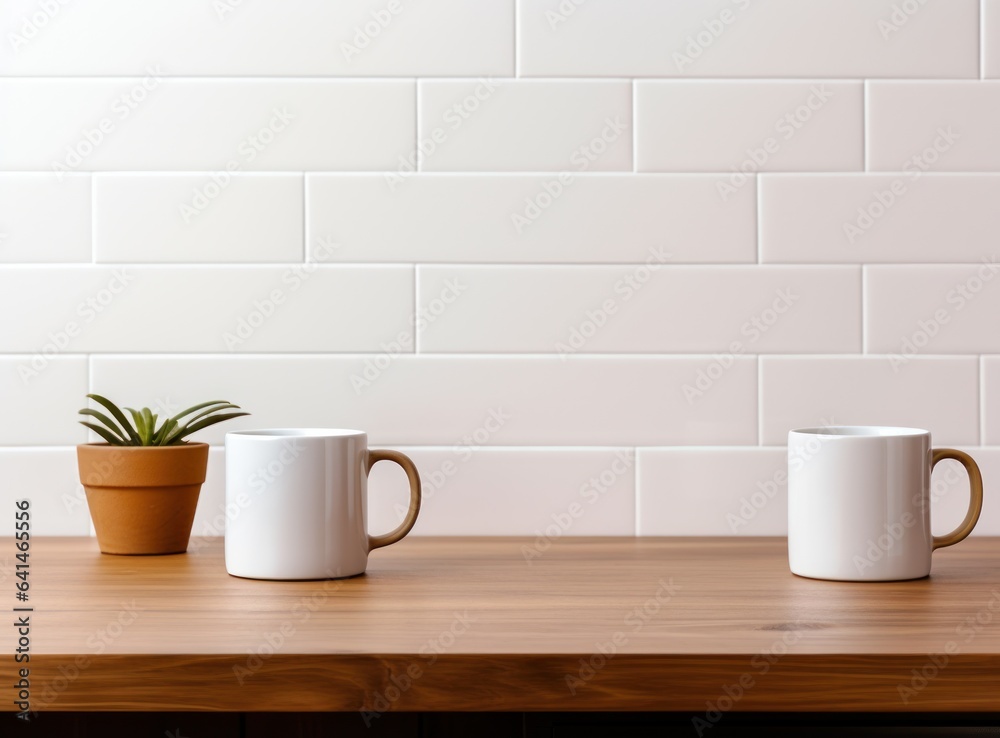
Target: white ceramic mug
{"type": "Point", "coordinates": [297, 503]}
{"type": "Point", "coordinates": [859, 502]}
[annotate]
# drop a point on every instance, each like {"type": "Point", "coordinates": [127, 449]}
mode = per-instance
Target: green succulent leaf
{"type": "Point", "coordinates": [149, 424]}
{"type": "Point", "coordinates": [108, 422]}
{"type": "Point", "coordinates": [143, 431]}
{"type": "Point", "coordinates": [104, 433]}
{"type": "Point", "coordinates": [203, 405]}
{"type": "Point", "coordinates": [159, 439]}
{"type": "Point", "coordinates": [140, 426]}
{"type": "Point", "coordinates": [220, 408]}
{"type": "Point", "coordinates": [117, 414]}
{"type": "Point", "coordinates": [178, 435]}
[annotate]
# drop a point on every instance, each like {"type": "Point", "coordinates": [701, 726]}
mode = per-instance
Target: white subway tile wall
{"type": "Point", "coordinates": [197, 218]}
{"type": "Point", "coordinates": [766, 126]}
{"type": "Point", "coordinates": [586, 262]}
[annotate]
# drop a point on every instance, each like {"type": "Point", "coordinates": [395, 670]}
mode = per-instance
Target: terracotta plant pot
{"type": "Point", "coordinates": [142, 499]}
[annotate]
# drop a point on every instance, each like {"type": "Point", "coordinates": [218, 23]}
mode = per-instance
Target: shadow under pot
{"type": "Point", "coordinates": [142, 499]}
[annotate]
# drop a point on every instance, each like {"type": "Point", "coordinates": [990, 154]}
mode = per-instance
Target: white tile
{"type": "Point", "coordinates": [743, 491]}
{"type": "Point", "coordinates": [950, 493]}
{"type": "Point", "coordinates": [933, 126]}
{"type": "Point", "coordinates": [230, 37]}
{"type": "Point", "coordinates": [424, 400]}
{"type": "Point", "coordinates": [636, 309]}
{"type": "Point", "coordinates": [741, 38]}
{"type": "Point", "coordinates": [936, 393]}
{"type": "Point", "coordinates": [991, 38]}
{"type": "Point", "coordinates": [44, 218]}
{"type": "Point", "coordinates": [591, 218]}
{"type": "Point", "coordinates": [210, 517]}
{"type": "Point", "coordinates": [153, 122]}
{"type": "Point", "coordinates": [991, 399]}
{"type": "Point", "coordinates": [746, 127]}
{"type": "Point", "coordinates": [857, 218]}
{"type": "Point", "coordinates": [49, 479]}
{"type": "Point", "coordinates": [40, 394]}
{"type": "Point", "coordinates": [713, 492]}
{"type": "Point", "coordinates": [208, 217]}
{"type": "Point", "coordinates": [159, 309]}
{"type": "Point", "coordinates": [480, 491]}
{"type": "Point", "coordinates": [939, 309]}
{"type": "Point", "coordinates": [538, 492]}
{"type": "Point", "coordinates": [525, 125]}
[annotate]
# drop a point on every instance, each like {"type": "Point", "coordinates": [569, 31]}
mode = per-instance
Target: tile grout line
{"type": "Point", "coordinates": [416, 308]}
{"type": "Point", "coordinates": [517, 56]}
{"type": "Point", "coordinates": [982, 39]}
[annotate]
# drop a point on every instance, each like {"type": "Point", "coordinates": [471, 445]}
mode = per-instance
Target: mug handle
{"type": "Point", "coordinates": [975, 495]}
{"type": "Point", "coordinates": [376, 455]}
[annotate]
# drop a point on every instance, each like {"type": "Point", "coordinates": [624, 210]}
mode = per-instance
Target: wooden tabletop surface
{"type": "Point", "coordinates": [497, 624]}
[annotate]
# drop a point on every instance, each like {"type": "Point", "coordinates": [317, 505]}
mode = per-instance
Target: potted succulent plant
{"type": "Point", "coordinates": [143, 483]}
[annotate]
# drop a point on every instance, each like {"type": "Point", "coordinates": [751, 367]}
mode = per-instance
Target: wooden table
{"type": "Point", "coordinates": [495, 624]}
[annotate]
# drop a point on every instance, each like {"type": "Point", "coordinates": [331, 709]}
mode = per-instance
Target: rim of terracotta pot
{"type": "Point", "coordinates": [142, 466]}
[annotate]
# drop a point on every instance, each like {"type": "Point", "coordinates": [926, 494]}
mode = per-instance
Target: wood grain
{"type": "Point", "coordinates": [472, 625]}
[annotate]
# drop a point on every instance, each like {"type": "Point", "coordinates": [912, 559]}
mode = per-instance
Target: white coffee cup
{"type": "Point", "coordinates": [859, 502]}
{"type": "Point", "coordinates": [297, 503]}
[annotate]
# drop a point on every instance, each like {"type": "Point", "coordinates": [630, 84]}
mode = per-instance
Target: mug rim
{"type": "Point", "coordinates": [285, 433]}
{"type": "Point", "coordinates": [861, 431]}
